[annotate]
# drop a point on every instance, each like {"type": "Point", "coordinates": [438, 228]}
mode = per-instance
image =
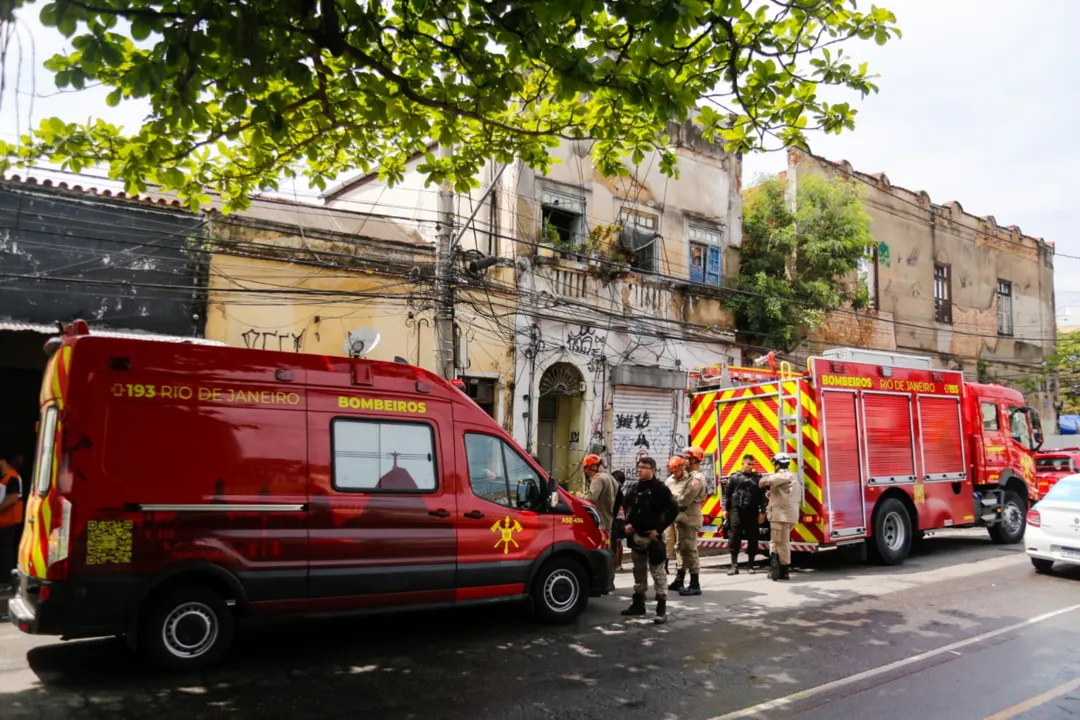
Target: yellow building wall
{"type": "Point", "coordinates": [327, 304]}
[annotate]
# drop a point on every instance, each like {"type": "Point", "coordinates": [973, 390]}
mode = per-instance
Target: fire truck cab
{"type": "Point", "coordinates": [888, 447]}
{"type": "Point", "coordinates": [180, 489]}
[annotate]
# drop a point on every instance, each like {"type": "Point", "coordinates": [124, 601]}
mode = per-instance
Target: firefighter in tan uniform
{"type": "Point", "coordinates": [688, 487]}
{"type": "Point", "coordinates": [785, 497]}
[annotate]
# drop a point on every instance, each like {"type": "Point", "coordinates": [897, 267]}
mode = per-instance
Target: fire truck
{"type": "Point", "coordinates": [888, 448]}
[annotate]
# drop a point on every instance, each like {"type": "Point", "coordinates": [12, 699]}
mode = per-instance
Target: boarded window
{"type": "Point", "coordinates": [889, 437]}
{"type": "Point", "coordinates": [1005, 308]}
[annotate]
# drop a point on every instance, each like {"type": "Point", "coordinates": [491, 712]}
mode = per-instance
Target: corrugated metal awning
{"type": "Point", "coordinates": [46, 329]}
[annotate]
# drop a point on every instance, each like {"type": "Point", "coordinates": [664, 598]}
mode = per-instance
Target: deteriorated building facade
{"type": "Point", "coordinates": [974, 295]}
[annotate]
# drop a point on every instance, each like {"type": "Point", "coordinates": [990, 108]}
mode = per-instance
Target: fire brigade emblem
{"type": "Point", "coordinates": [506, 529]}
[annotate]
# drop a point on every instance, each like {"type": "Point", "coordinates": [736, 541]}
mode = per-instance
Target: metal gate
{"type": "Point", "coordinates": [643, 426]}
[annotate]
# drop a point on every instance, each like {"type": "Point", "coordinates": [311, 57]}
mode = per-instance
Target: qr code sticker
{"type": "Point", "coordinates": [108, 542]}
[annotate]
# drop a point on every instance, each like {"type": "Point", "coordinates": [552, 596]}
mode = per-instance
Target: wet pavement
{"type": "Point", "coordinates": [964, 629]}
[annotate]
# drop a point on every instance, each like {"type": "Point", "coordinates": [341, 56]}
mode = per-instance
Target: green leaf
{"type": "Point", "coordinates": [141, 28]}
{"type": "Point", "coordinates": [259, 103]}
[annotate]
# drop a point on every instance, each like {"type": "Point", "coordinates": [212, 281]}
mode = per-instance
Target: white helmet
{"type": "Point", "coordinates": [781, 458]}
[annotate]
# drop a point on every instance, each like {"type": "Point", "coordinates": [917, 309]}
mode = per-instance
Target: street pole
{"type": "Point", "coordinates": [444, 281]}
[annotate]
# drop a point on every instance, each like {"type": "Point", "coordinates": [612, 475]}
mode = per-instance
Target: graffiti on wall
{"type": "Point", "coordinates": [585, 341]}
{"type": "Point", "coordinates": [637, 435]}
{"type": "Point", "coordinates": [273, 340]}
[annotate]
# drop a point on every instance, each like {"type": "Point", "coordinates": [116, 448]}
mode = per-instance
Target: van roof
{"type": "Point", "coordinates": [213, 362]}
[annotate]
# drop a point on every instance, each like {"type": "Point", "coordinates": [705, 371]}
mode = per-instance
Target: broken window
{"type": "Point", "coordinates": [868, 276]}
{"type": "Point", "coordinates": [563, 223]}
{"type": "Point", "coordinates": [706, 255]}
{"type": "Point", "coordinates": [1005, 309]}
{"type": "Point", "coordinates": [482, 392]}
{"type": "Point", "coordinates": [942, 294]}
{"type": "Point", "coordinates": [638, 238]}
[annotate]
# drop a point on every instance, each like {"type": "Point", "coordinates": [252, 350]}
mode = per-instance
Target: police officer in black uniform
{"type": "Point", "coordinates": [742, 505]}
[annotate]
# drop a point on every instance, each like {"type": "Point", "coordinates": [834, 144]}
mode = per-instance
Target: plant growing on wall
{"type": "Point", "coordinates": [1064, 365]}
{"type": "Point", "coordinates": [240, 95]}
{"type": "Point", "coordinates": [796, 263]}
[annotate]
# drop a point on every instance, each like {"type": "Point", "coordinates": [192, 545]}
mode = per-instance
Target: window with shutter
{"type": "Point", "coordinates": [706, 255]}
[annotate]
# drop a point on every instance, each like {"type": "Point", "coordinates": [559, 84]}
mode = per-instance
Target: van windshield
{"type": "Point", "coordinates": [1060, 464]}
{"type": "Point", "coordinates": [46, 441]}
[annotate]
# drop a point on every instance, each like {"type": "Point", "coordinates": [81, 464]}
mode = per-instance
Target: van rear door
{"type": "Point", "coordinates": [382, 499]}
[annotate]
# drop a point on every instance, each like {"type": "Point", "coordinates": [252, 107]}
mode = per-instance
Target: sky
{"type": "Point", "coordinates": [977, 104]}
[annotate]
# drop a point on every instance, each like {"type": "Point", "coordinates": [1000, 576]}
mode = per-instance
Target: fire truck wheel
{"type": "Point", "coordinates": [187, 629]}
{"type": "Point", "coordinates": [1013, 521]}
{"type": "Point", "coordinates": [892, 532]}
{"type": "Point", "coordinates": [560, 591]}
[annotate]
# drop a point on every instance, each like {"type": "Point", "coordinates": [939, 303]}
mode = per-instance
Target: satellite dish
{"type": "Point", "coordinates": [361, 341]}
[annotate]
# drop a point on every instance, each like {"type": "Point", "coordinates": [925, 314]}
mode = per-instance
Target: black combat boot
{"type": "Point", "coordinates": [677, 584]}
{"type": "Point", "coordinates": [695, 586]}
{"type": "Point", "coordinates": [637, 607]}
{"type": "Point", "coordinates": [785, 572]}
{"type": "Point", "coordinates": [661, 611]}
{"type": "Point", "coordinates": [774, 566]}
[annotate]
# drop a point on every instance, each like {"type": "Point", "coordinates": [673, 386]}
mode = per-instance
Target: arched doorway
{"type": "Point", "coordinates": [558, 422]}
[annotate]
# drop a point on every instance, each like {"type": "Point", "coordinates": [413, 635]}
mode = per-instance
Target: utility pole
{"type": "Point", "coordinates": [444, 281]}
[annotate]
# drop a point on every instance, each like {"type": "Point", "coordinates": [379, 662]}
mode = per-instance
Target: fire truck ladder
{"type": "Point", "coordinates": [790, 425]}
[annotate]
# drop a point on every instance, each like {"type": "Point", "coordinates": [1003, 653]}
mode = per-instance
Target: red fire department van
{"type": "Point", "coordinates": [1052, 465]}
{"type": "Point", "coordinates": [887, 446]}
{"type": "Point", "coordinates": [180, 489]}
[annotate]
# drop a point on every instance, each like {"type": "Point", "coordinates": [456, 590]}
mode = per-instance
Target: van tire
{"type": "Point", "coordinates": [560, 591]}
{"type": "Point", "coordinates": [187, 629]}
{"type": "Point", "coordinates": [893, 534]}
{"type": "Point", "coordinates": [1013, 522]}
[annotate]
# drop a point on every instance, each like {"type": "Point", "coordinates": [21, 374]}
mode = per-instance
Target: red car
{"type": "Point", "coordinates": [180, 489]}
{"type": "Point", "coordinates": [1052, 465]}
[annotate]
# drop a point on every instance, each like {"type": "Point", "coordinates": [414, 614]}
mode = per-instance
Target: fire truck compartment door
{"type": "Point", "coordinates": [844, 490]}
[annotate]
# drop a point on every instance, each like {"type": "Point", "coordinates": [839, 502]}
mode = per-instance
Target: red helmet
{"type": "Point", "coordinates": [592, 459]}
{"type": "Point", "coordinates": [675, 463]}
{"type": "Point", "coordinates": [694, 452]}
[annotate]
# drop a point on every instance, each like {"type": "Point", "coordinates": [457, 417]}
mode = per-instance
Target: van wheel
{"type": "Point", "coordinates": [1013, 521]}
{"type": "Point", "coordinates": [893, 534]}
{"type": "Point", "coordinates": [560, 591]}
{"type": "Point", "coordinates": [188, 629]}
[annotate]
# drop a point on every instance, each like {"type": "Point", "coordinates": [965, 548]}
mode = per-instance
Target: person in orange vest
{"type": "Point", "coordinates": [11, 515]}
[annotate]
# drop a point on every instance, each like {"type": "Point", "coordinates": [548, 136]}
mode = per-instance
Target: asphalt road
{"type": "Point", "coordinates": [964, 629]}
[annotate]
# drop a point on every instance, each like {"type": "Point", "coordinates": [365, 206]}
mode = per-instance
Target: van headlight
{"type": "Point", "coordinates": [594, 515]}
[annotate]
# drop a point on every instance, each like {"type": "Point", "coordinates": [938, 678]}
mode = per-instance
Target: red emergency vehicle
{"type": "Point", "coordinates": [888, 447]}
{"type": "Point", "coordinates": [1052, 465]}
{"type": "Point", "coordinates": [180, 489]}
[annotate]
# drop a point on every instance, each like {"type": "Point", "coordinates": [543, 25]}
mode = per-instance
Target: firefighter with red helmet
{"type": "Point", "coordinates": [690, 491]}
{"type": "Point", "coordinates": [602, 490]}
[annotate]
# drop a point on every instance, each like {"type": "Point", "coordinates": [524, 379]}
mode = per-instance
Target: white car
{"type": "Point", "coordinates": [1053, 526]}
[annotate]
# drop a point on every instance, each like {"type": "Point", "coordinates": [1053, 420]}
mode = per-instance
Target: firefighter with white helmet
{"type": "Point", "coordinates": [785, 497]}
